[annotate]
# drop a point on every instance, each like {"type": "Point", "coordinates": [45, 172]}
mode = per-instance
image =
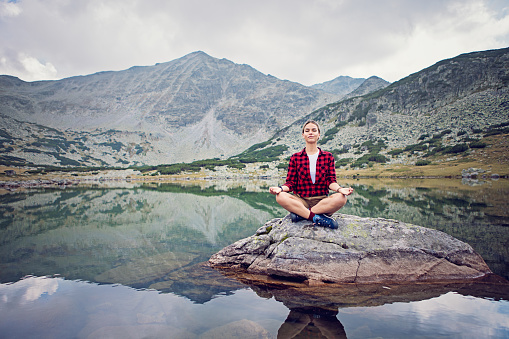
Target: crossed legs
{"type": "Point", "coordinates": [327, 205]}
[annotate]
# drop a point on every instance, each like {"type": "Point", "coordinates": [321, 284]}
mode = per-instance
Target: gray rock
{"type": "Point", "coordinates": [362, 250]}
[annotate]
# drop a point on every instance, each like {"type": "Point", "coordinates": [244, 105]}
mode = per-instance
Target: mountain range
{"type": "Point", "coordinates": [454, 102]}
{"type": "Point", "coordinates": [200, 107]}
{"type": "Point", "coordinates": [191, 108]}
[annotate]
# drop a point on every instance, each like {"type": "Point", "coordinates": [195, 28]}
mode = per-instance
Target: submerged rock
{"type": "Point", "coordinates": [362, 250]}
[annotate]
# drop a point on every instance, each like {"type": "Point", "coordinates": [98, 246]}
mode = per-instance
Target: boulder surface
{"type": "Point", "coordinates": [361, 250]}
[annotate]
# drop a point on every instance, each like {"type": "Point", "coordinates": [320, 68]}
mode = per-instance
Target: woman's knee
{"type": "Point", "coordinates": [282, 197]}
{"type": "Point", "coordinates": [340, 199]}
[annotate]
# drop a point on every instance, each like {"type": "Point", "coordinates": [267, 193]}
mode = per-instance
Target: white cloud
{"type": "Point", "coordinates": [27, 68]}
{"type": "Point", "coordinates": [29, 289]}
{"type": "Point", "coordinates": [9, 9]}
{"type": "Point", "coordinates": [39, 286]}
{"type": "Point", "coordinates": [35, 69]}
{"type": "Point", "coordinates": [298, 40]}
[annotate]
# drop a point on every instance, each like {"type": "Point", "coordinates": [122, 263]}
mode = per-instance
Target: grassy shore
{"type": "Point", "coordinates": [493, 160]}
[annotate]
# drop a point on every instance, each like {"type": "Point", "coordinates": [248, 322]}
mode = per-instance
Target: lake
{"type": "Point", "coordinates": [126, 259]}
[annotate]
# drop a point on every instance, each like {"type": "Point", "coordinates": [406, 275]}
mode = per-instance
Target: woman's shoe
{"type": "Point", "coordinates": [325, 221]}
{"type": "Point", "coordinates": [295, 217]}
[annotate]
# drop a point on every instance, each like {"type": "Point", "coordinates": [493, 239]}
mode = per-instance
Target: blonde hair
{"type": "Point", "coordinates": [311, 122]}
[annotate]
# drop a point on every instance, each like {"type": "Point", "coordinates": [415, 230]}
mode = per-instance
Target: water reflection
{"type": "Point", "coordinates": [117, 248]}
{"type": "Point", "coordinates": [312, 323]}
{"type": "Point", "coordinates": [478, 215]}
{"type": "Point", "coordinates": [39, 307]}
{"type": "Point", "coordinates": [139, 237]}
{"type": "Point", "coordinates": [151, 235]}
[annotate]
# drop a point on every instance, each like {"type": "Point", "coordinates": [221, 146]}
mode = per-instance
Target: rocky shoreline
{"type": "Point", "coordinates": [19, 181]}
{"type": "Point", "coordinates": [26, 184]}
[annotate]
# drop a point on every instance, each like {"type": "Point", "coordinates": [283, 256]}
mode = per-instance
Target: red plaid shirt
{"type": "Point", "coordinates": [298, 179]}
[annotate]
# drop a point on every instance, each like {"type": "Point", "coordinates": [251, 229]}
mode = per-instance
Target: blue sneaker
{"type": "Point", "coordinates": [295, 217]}
{"type": "Point", "coordinates": [325, 221]}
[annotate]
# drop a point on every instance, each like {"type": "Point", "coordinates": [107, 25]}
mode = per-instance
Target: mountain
{"type": "Point", "coordinates": [191, 108]}
{"type": "Point", "coordinates": [444, 109]}
{"type": "Point", "coordinates": [341, 85]}
{"type": "Point", "coordinates": [369, 85]}
{"type": "Point", "coordinates": [199, 107]}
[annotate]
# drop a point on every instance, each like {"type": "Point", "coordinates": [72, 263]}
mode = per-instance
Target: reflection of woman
{"type": "Point", "coordinates": [311, 174]}
{"type": "Point", "coordinates": [312, 323]}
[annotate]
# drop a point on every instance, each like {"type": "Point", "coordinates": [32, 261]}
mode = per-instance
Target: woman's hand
{"type": "Point", "coordinates": [345, 190]}
{"type": "Point", "coordinates": [275, 190]}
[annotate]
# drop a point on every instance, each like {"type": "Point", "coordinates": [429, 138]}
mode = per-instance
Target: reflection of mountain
{"type": "Point", "coordinates": [156, 235]}
{"type": "Point", "coordinates": [81, 234]}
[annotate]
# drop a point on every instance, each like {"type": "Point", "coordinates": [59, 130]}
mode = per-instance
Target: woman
{"type": "Point", "coordinates": [311, 174]}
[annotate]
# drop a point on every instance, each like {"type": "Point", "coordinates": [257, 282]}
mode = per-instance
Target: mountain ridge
{"type": "Point", "coordinates": [453, 102]}
{"type": "Point", "coordinates": [427, 112]}
{"type": "Point", "coordinates": [193, 107]}
{"type": "Point", "coordinates": [341, 85]}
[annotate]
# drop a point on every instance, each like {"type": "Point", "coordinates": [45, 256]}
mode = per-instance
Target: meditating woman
{"type": "Point", "coordinates": [311, 174]}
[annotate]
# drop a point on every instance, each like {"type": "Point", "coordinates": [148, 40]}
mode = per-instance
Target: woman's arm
{"type": "Point", "coordinates": [290, 179]}
{"type": "Point", "coordinates": [279, 189]}
{"type": "Point", "coordinates": [343, 190]}
{"type": "Point", "coordinates": [334, 186]}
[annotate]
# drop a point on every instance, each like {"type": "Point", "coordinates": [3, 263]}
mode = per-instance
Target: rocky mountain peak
{"type": "Point", "coordinates": [456, 98]}
{"type": "Point", "coordinates": [342, 85]}
{"type": "Point", "coordinates": [193, 107]}
{"type": "Point", "coordinates": [369, 85]}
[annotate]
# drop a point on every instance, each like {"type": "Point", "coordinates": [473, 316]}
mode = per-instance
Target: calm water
{"type": "Point", "coordinates": [127, 261]}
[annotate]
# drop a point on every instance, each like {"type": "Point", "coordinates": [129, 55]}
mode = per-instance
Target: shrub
{"type": "Point", "coordinates": [504, 124]}
{"type": "Point", "coordinates": [374, 147]}
{"type": "Point", "coordinates": [416, 147]}
{"type": "Point", "coordinates": [496, 131]}
{"type": "Point", "coordinates": [377, 158]}
{"type": "Point", "coordinates": [396, 151]}
{"type": "Point", "coordinates": [360, 111]}
{"type": "Point", "coordinates": [477, 145]}
{"type": "Point", "coordinates": [339, 151]}
{"type": "Point", "coordinates": [343, 162]}
{"type": "Point", "coordinates": [459, 148]}
{"type": "Point", "coordinates": [117, 145]}
{"type": "Point", "coordinates": [268, 154]}
{"type": "Point", "coordinates": [325, 140]}
{"type": "Point", "coordinates": [422, 162]}
{"type": "Point", "coordinates": [367, 158]}
{"type": "Point", "coordinates": [236, 165]}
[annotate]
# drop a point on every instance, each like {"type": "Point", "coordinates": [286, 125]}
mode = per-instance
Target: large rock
{"type": "Point", "coordinates": [362, 250]}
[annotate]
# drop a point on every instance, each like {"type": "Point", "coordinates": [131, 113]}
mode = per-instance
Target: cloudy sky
{"type": "Point", "coordinates": [307, 41]}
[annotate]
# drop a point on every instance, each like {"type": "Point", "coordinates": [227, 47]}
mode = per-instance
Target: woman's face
{"type": "Point", "coordinates": [311, 133]}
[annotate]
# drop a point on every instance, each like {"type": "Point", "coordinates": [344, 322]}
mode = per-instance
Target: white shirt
{"type": "Point", "coordinates": [312, 165]}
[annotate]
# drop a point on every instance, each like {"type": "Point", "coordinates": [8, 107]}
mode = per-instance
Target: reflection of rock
{"type": "Point", "coordinates": [298, 295]}
{"type": "Point", "coordinates": [198, 283]}
{"type": "Point", "coordinates": [312, 323]}
{"type": "Point", "coordinates": [147, 269]}
{"type": "Point", "coordinates": [472, 172]}
{"type": "Point", "coordinates": [363, 250]}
